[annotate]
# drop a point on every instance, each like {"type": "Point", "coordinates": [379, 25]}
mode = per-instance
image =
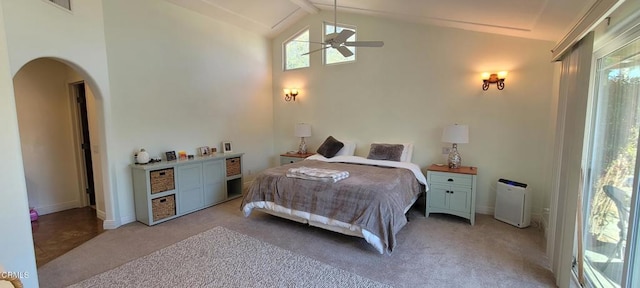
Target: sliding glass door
{"type": "Point", "coordinates": [606, 241]}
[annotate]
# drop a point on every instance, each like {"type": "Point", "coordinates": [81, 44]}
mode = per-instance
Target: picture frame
{"type": "Point", "coordinates": [204, 150]}
{"type": "Point", "coordinates": [227, 147]}
{"type": "Point", "coordinates": [171, 155]}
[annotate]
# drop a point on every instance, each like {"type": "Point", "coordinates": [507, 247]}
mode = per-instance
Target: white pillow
{"type": "Point", "coordinates": [348, 149]}
{"type": "Point", "coordinates": [407, 152]}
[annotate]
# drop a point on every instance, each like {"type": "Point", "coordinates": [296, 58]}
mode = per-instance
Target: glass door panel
{"type": "Point", "coordinates": [612, 160]}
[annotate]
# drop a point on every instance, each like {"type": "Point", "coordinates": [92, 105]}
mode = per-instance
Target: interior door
{"type": "Point", "coordinates": [85, 144]}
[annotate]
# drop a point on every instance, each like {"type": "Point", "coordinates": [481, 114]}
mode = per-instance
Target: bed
{"type": "Point", "coordinates": [371, 203]}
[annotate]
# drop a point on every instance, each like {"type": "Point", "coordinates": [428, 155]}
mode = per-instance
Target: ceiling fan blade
{"type": "Point", "coordinates": [344, 51]}
{"type": "Point", "coordinates": [343, 36]}
{"type": "Point", "coordinates": [308, 42]}
{"type": "Point", "coordinates": [364, 44]}
{"type": "Point", "coordinates": [315, 50]}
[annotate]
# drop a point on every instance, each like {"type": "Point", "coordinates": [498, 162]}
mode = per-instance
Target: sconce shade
{"type": "Point", "coordinates": [456, 134]}
{"type": "Point", "coordinates": [491, 78]}
{"type": "Point", "coordinates": [290, 94]}
{"type": "Point", "coordinates": [303, 130]}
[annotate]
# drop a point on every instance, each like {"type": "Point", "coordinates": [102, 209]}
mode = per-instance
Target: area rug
{"type": "Point", "coordinates": [224, 258]}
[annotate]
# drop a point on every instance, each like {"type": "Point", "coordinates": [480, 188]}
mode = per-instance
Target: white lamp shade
{"type": "Point", "coordinates": [303, 130]}
{"type": "Point", "coordinates": [456, 134]}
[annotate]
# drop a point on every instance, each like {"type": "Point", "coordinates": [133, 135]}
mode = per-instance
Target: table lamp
{"type": "Point", "coordinates": [455, 134]}
{"type": "Point", "coordinates": [302, 130]}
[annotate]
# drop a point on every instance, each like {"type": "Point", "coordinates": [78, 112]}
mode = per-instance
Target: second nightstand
{"type": "Point", "coordinates": [452, 191]}
{"type": "Point", "coordinates": [293, 157]}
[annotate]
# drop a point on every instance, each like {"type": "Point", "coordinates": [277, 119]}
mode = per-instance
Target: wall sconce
{"type": "Point", "coordinates": [290, 94]}
{"type": "Point", "coordinates": [493, 78]}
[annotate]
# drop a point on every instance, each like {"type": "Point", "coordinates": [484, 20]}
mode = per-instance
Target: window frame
{"type": "Point", "coordinates": [289, 40]}
{"type": "Point", "coordinates": [353, 49]}
{"type": "Point", "coordinates": [631, 253]}
{"type": "Point", "coordinates": [63, 8]}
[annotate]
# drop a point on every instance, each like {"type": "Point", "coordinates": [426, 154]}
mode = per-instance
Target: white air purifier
{"type": "Point", "coordinates": [513, 203]}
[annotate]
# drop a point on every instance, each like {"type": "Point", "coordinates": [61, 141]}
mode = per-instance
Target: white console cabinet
{"type": "Point", "coordinates": [170, 189]}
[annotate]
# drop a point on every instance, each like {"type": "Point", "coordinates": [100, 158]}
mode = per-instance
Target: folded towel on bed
{"type": "Point", "coordinates": [317, 174]}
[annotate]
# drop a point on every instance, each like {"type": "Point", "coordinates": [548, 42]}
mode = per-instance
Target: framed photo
{"type": "Point", "coordinates": [171, 155]}
{"type": "Point", "coordinates": [226, 147]}
{"type": "Point", "coordinates": [204, 150]}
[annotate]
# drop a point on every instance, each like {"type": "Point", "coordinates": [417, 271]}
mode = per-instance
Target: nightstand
{"type": "Point", "coordinates": [293, 157]}
{"type": "Point", "coordinates": [452, 191]}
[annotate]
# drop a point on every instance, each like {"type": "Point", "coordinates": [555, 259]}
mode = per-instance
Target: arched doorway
{"type": "Point", "coordinates": [58, 172]}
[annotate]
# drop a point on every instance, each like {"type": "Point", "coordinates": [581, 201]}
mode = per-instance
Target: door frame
{"type": "Point", "coordinates": [77, 136]}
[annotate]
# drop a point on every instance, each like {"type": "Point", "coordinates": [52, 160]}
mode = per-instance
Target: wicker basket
{"type": "Point", "coordinates": [163, 207]}
{"type": "Point", "coordinates": [233, 166]}
{"type": "Point", "coordinates": [162, 180]}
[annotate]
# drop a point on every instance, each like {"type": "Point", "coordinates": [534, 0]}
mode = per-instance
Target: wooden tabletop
{"type": "Point", "coordinates": [461, 170]}
{"type": "Point", "coordinates": [297, 155]}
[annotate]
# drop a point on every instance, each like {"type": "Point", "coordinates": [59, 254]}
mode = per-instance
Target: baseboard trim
{"type": "Point", "coordinates": [43, 210]}
{"type": "Point", "coordinates": [101, 215]}
{"type": "Point", "coordinates": [127, 219]}
{"type": "Point", "coordinates": [485, 210]}
{"type": "Point", "coordinates": [537, 220]}
{"type": "Point", "coordinates": [109, 224]}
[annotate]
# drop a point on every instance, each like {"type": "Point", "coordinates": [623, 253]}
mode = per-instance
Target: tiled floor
{"type": "Point", "coordinates": [57, 233]}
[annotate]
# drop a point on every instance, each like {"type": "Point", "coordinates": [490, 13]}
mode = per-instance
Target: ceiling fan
{"type": "Point", "coordinates": [339, 41]}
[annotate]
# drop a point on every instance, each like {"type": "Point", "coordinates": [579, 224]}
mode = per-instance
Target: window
{"type": "Point", "coordinates": [607, 242]}
{"type": "Point", "coordinates": [66, 4]}
{"type": "Point", "coordinates": [332, 56]}
{"type": "Point", "coordinates": [293, 50]}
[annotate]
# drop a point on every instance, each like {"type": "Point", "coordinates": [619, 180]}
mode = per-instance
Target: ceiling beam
{"type": "Point", "coordinates": [306, 5]}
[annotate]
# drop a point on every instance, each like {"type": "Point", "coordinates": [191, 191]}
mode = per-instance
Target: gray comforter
{"type": "Point", "coordinates": [373, 197]}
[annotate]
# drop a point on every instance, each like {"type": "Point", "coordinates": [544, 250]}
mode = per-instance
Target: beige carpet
{"type": "Point", "coordinates": [439, 251]}
{"type": "Point", "coordinates": [224, 258]}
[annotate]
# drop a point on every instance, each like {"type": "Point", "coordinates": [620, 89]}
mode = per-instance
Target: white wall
{"type": "Point", "coordinates": [16, 244]}
{"type": "Point", "coordinates": [47, 136]}
{"type": "Point", "coordinates": [37, 29]}
{"type": "Point", "coordinates": [180, 80]}
{"type": "Point", "coordinates": [425, 78]}
{"type": "Point", "coordinates": [196, 81]}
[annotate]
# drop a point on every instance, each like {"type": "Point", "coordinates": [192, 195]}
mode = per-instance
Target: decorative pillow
{"type": "Point", "coordinates": [348, 150]}
{"type": "Point", "coordinates": [392, 152]}
{"type": "Point", "coordinates": [330, 147]}
{"type": "Point", "coordinates": [407, 152]}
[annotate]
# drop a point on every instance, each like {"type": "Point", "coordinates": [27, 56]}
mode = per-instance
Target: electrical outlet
{"type": "Point", "coordinates": [446, 150]}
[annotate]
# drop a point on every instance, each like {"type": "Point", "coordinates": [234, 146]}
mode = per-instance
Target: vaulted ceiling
{"type": "Point", "coordinates": [535, 19]}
